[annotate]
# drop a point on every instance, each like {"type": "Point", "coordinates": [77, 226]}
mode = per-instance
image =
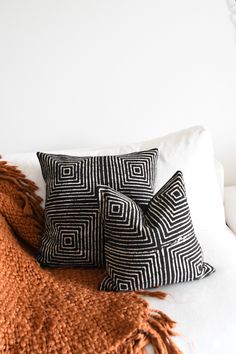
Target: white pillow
{"type": "Point", "coordinates": [230, 207]}
{"type": "Point", "coordinates": [220, 175]}
{"type": "Point", "coordinates": [189, 150]}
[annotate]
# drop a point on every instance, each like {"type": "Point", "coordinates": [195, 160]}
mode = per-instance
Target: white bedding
{"type": "Point", "coordinates": [206, 309]}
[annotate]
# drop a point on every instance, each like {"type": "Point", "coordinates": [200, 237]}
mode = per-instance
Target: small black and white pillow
{"type": "Point", "coordinates": [152, 248]}
{"type": "Point", "coordinates": [73, 234]}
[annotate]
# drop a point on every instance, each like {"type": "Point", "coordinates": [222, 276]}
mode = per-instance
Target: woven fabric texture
{"type": "Point", "coordinates": [73, 233]}
{"type": "Point", "coordinates": [61, 311]}
{"type": "Point", "coordinates": [152, 248]}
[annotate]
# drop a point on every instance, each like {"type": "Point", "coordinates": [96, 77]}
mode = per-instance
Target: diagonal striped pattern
{"type": "Point", "coordinates": [152, 248]}
{"type": "Point", "coordinates": [73, 231]}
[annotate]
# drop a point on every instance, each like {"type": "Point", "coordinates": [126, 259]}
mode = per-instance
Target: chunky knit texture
{"type": "Point", "coordinates": [61, 311]}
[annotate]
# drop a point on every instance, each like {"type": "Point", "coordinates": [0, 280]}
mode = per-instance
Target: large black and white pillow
{"type": "Point", "coordinates": [146, 249]}
{"type": "Point", "coordinates": [73, 228]}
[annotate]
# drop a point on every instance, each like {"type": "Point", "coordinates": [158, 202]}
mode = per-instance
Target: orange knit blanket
{"type": "Point", "coordinates": [61, 311]}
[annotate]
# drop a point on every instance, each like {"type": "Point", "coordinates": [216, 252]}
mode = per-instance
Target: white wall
{"type": "Point", "coordinates": [86, 72]}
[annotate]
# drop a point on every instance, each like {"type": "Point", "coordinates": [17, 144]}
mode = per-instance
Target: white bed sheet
{"type": "Point", "coordinates": [205, 310]}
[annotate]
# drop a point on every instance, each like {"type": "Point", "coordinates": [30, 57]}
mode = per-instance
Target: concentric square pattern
{"type": "Point", "coordinates": [151, 248]}
{"type": "Point", "coordinates": [74, 231]}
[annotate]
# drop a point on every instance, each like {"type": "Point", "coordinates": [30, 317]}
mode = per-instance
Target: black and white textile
{"type": "Point", "coordinates": [73, 229]}
{"type": "Point", "coordinates": [151, 248]}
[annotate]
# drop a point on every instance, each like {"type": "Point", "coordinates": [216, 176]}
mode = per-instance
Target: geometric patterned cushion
{"type": "Point", "coordinates": [152, 248]}
{"type": "Point", "coordinates": [73, 229]}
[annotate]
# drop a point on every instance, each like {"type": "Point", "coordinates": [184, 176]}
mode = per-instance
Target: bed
{"type": "Point", "coordinates": [205, 310]}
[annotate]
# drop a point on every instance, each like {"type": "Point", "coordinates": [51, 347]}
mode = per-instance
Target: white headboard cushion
{"type": "Point", "coordinates": [220, 176]}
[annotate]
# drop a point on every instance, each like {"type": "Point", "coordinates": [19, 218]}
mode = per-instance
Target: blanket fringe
{"type": "Point", "coordinates": [157, 294]}
{"type": "Point", "coordinates": [157, 331]}
{"type": "Point", "coordinates": [26, 189]}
